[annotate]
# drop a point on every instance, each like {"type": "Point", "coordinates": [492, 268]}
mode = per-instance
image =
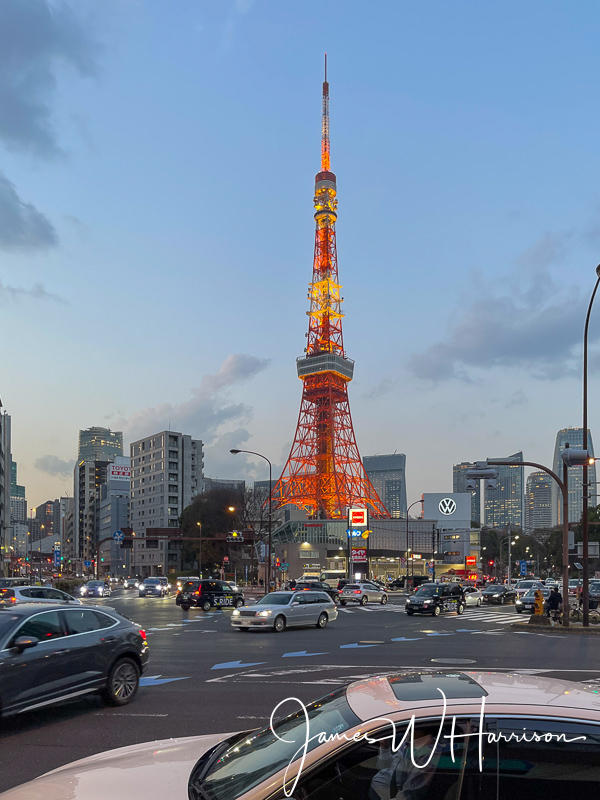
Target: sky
{"type": "Point", "coordinates": [157, 165]}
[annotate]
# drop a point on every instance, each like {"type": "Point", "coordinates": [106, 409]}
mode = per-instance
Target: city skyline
{"type": "Point", "coordinates": [90, 216]}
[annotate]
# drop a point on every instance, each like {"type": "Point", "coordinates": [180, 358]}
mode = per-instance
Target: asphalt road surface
{"type": "Point", "coordinates": [205, 677]}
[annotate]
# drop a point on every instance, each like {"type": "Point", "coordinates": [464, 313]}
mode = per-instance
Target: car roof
{"type": "Point", "coordinates": [376, 696]}
{"type": "Point", "coordinates": [25, 609]}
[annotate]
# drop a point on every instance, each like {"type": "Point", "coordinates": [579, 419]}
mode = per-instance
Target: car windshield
{"type": "Point", "coordinates": [532, 591]}
{"type": "Point", "coordinates": [152, 580]}
{"type": "Point", "coordinates": [275, 599]}
{"type": "Point", "coordinates": [352, 586]}
{"type": "Point", "coordinates": [261, 754]}
{"type": "Point", "coordinates": [95, 583]}
{"type": "Point", "coordinates": [526, 584]}
{"type": "Point", "coordinates": [428, 591]}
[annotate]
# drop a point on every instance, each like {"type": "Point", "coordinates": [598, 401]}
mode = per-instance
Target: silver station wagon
{"type": "Point", "coordinates": [280, 610]}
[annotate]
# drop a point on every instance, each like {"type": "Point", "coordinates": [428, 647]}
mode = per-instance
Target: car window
{"type": "Point", "coordinates": [303, 599]}
{"type": "Point", "coordinates": [224, 587]}
{"type": "Point", "coordinates": [53, 594]}
{"type": "Point", "coordinates": [35, 594]}
{"type": "Point", "coordinates": [81, 621]}
{"type": "Point", "coordinates": [44, 626]}
{"type": "Point", "coordinates": [323, 597]}
{"type": "Point", "coordinates": [25, 592]}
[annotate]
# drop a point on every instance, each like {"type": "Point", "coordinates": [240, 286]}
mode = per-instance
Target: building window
{"type": "Point", "coordinates": [455, 537]}
{"type": "Point", "coordinates": [173, 465]}
{"type": "Point", "coordinates": [309, 553]}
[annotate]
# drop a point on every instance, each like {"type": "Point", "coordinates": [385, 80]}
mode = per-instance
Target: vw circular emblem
{"type": "Point", "coordinates": [447, 506]}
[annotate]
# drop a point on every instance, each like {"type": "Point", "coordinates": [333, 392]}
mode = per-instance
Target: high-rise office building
{"type": "Point", "coordinates": [18, 502]}
{"type": "Point", "coordinates": [48, 515]}
{"type": "Point", "coordinates": [5, 481]}
{"type": "Point", "coordinates": [88, 478]}
{"type": "Point", "coordinates": [504, 504]}
{"type": "Point", "coordinates": [574, 438]}
{"type": "Point", "coordinates": [100, 444]}
{"type": "Point", "coordinates": [115, 497]}
{"type": "Point", "coordinates": [387, 473]}
{"type": "Point", "coordinates": [538, 502]}
{"type": "Point", "coordinates": [459, 484]}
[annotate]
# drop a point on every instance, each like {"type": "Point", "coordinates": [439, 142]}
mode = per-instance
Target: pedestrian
{"type": "Point", "coordinates": [554, 602]}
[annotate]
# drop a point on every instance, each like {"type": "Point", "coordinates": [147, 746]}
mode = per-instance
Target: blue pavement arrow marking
{"type": "Point", "coordinates": [404, 639]}
{"type": "Point", "coordinates": [439, 634]}
{"type": "Point", "coordinates": [156, 680]}
{"type": "Point", "coordinates": [342, 646]}
{"type": "Point", "coordinates": [301, 653]}
{"type": "Point", "coordinates": [236, 664]}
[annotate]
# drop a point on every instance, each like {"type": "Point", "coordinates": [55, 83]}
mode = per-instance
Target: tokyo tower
{"type": "Point", "coordinates": [324, 474]}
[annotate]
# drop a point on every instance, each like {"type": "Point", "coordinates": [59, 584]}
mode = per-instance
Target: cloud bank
{"type": "Point", "coordinates": [22, 226]}
{"type": "Point", "coordinates": [55, 466]}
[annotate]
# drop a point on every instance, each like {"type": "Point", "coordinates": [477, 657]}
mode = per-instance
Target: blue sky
{"type": "Point", "coordinates": [156, 179]}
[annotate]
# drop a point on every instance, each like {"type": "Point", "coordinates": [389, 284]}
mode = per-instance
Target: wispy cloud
{"type": "Point", "coordinates": [55, 466]}
{"type": "Point", "coordinates": [533, 324]}
{"type": "Point", "coordinates": [22, 226]}
{"type": "Point", "coordinates": [236, 11]}
{"type": "Point", "coordinates": [207, 410]}
{"type": "Point", "coordinates": [37, 292]}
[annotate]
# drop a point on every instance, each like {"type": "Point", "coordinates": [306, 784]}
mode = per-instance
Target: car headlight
{"type": "Point", "coordinates": [235, 613]}
{"type": "Point", "coordinates": [496, 595]}
{"type": "Point", "coordinates": [264, 613]}
{"type": "Point", "coordinates": [425, 602]}
{"type": "Point", "coordinates": [519, 602]}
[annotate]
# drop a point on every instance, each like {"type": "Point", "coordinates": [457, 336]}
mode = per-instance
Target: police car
{"type": "Point", "coordinates": [207, 594]}
{"type": "Point", "coordinates": [435, 598]}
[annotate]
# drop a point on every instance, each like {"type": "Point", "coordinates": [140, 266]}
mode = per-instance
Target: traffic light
{"type": "Point", "coordinates": [491, 563]}
{"type": "Point", "coordinates": [235, 536]}
{"type": "Point", "coordinates": [539, 602]}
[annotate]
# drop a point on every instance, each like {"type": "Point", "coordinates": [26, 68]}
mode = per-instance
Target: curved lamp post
{"type": "Point", "coordinates": [412, 538]}
{"type": "Point", "coordinates": [260, 455]}
{"type": "Point", "coordinates": [585, 524]}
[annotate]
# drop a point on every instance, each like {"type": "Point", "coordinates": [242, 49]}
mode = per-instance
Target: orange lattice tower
{"type": "Point", "coordinates": [324, 474]}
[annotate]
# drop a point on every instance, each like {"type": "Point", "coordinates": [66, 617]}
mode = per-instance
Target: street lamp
{"type": "Point", "coordinates": [508, 538]}
{"type": "Point", "coordinates": [199, 524]}
{"type": "Point", "coordinates": [260, 455]}
{"type": "Point", "coordinates": [585, 524]}
{"type": "Point", "coordinates": [412, 539]}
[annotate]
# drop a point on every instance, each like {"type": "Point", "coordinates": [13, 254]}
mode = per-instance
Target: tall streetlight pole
{"type": "Point", "coordinates": [260, 455]}
{"type": "Point", "coordinates": [585, 525]}
{"type": "Point", "coordinates": [412, 541]}
{"type": "Point", "coordinates": [508, 538]}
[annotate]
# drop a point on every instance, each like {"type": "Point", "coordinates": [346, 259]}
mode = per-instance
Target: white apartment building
{"type": "Point", "coordinates": [166, 473]}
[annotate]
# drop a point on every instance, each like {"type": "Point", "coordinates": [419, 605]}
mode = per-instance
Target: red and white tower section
{"type": "Point", "coordinates": [324, 474]}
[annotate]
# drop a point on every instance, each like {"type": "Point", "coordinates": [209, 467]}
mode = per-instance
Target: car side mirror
{"type": "Point", "coordinates": [295, 603]}
{"type": "Point", "coordinates": [25, 643]}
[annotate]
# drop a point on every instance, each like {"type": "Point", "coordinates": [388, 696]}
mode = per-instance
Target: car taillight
{"type": "Point", "coordinates": [357, 591]}
{"type": "Point", "coordinates": [143, 634]}
{"type": "Point", "coordinates": [198, 593]}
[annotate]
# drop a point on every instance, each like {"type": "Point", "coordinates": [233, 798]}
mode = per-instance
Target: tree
{"type": "Point", "coordinates": [218, 511]}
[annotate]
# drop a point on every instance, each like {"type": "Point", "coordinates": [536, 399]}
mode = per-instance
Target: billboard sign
{"type": "Point", "coordinates": [359, 554]}
{"type": "Point", "coordinates": [358, 518]}
{"type": "Point", "coordinates": [118, 472]}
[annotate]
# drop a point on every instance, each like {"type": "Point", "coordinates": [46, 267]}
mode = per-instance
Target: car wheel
{"type": "Point", "coordinates": [323, 620]}
{"type": "Point", "coordinates": [185, 606]}
{"type": "Point", "coordinates": [239, 603]}
{"type": "Point", "coordinates": [436, 611]}
{"type": "Point", "coordinates": [410, 613]}
{"type": "Point", "coordinates": [384, 599]}
{"type": "Point", "coordinates": [364, 600]}
{"type": "Point", "coordinates": [342, 602]}
{"type": "Point", "coordinates": [206, 605]}
{"type": "Point", "coordinates": [279, 624]}
{"type": "Point", "coordinates": [478, 602]}
{"type": "Point", "coordinates": [123, 682]}
{"type": "Point", "coordinates": [502, 601]}
{"type": "Point", "coordinates": [460, 608]}
{"type": "Point", "coordinates": [336, 599]}
{"type": "Point", "coordinates": [519, 610]}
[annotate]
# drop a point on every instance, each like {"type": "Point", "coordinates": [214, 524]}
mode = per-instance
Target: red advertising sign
{"type": "Point", "coordinates": [357, 518]}
{"type": "Point", "coordinates": [471, 561]}
{"type": "Point", "coordinates": [359, 554]}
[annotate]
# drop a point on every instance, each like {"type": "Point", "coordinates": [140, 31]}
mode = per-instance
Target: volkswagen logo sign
{"type": "Point", "coordinates": [447, 506]}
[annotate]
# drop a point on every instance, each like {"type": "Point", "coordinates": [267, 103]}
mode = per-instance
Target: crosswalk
{"type": "Point", "coordinates": [470, 614]}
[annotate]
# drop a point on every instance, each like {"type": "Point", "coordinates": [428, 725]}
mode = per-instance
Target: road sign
{"type": "Point", "coordinates": [118, 536]}
{"type": "Point", "coordinates": [471, 561]}
{"type": "Point", "coordinates": [87, 563]}
{"type": "Point", "coordinates": [430, 570]}
{"type": "Point", "coordinates": [225, 559]}
{"type": "Point", "coordinates": [523, 568]}
{"type": "Point", "coordinates": [403, 560]}
{"type": "Point", "coordinates": [57, 558]}
{"type": "Point", "coordinates": [358, 518]}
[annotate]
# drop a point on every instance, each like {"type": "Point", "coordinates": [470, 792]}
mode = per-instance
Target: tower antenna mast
{"type": "Point", "coordinates": [325, 157]}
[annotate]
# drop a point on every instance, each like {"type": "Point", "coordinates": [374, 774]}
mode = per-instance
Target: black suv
{"type": "Point", "coordinates": [433, 598]}
{"type": "Point", "coordinates": [53, 653]}
{"type": "Point", "coordinates": [207, 594]}
{"type": "Point", "coordinates": [306, 586]}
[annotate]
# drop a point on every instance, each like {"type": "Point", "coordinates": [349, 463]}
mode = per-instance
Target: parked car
{"type": "Point", "coordinates": [499, 594]}
{"type": "Point", "coordinates": [363, 593]}
{"type": "Point", "coordinates": [95, 589]}
{"type": "Point", "coordinates": [207, 594]}
{"type": "Point", "coordinates": [526, 603]}
{"type": "Point", "coordinates": [50, 655]}
{"type": "Point", "coordinates": [281, 610]}
{"type": "Point", "coordinates": [468, 754]}
{"type": "Point", "coordinates": [35, 594]}
{"type": "Point", "coordinates": [321, 587]}
{"type": "Point", "coordinates": [435, 598]}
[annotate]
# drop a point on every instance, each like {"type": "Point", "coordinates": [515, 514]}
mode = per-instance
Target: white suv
{"type": "Point", "coordinates": [363, 593]}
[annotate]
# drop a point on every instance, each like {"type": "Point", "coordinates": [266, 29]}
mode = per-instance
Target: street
{"type": "Point", "coordinates": [205, 677]}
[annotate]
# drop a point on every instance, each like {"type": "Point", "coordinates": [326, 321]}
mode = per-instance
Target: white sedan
{"type": "Point", "coordinates": [473, 596]}
{"type": "Point", "coordinates": [349, 745]}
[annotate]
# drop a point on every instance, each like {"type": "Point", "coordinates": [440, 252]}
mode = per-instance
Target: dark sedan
{"type": "Point", "coordinates": [52, 654]}
{"type": "Point", "coordinates": [318, 586]}
{"type": "Point", "coordinates": [498, 594]}
{"type": "Point", "coordinates": [95, 589]}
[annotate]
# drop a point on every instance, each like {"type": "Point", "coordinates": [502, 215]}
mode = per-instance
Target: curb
{"type": "Point", "coordinates": [595, 631]}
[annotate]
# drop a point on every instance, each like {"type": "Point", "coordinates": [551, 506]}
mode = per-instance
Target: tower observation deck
{"type": "Point", "coordinates": [324, 474]}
